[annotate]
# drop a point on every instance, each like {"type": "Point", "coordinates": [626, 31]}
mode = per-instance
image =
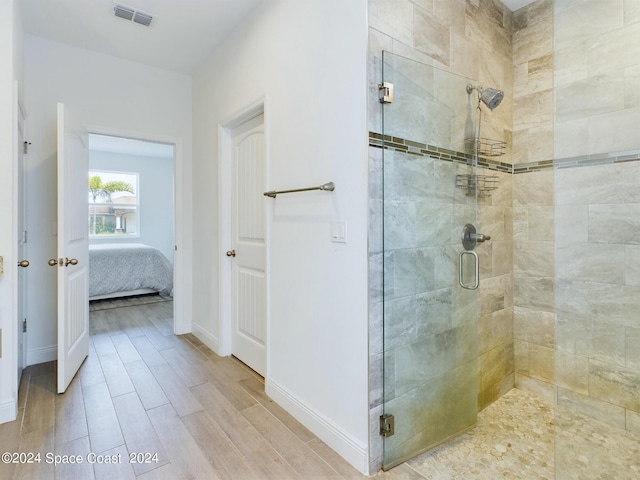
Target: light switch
{"type": "Point", "coordinates": [339, 231]}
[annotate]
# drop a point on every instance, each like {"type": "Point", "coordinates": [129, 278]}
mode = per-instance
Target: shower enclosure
{"type": "Point", "coordinates": [570, 252]}
{"type": "Point", "coordinates": [430, 191]}
{"type": "Point", "coordinates": [571, 334]}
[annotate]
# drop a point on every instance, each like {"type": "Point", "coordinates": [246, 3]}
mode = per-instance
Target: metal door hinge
{"type": "Point", "coordinates": [385, 92]}
{"type": "Point", "coordinates": [25, 147]}
{"type": "Point", "coordinates": [24, 326]}
{"type": "Point", "coordinates": [387, 425]}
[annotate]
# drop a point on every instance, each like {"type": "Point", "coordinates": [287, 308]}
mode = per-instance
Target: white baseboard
{"type": "Point", "coordinates": [42, 355]}
{"type": "Point", "coordinates": [349, 448]}
{"type": "Point", "coordinates": [206, 337]}
{"type": "Point", "coordinates": [8, 411]}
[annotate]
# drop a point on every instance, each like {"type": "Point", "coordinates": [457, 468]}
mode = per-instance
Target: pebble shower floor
{"type": "Point", "coordinates": [520, 437]}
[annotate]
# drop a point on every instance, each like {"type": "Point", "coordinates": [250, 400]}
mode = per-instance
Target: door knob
{"type": "Point", "coordinates": [231, 253]}
{"type": "Point", "coordinates": [23, 263]}
{"type": "Point", "coordinates": [68, 262]}
{"type": "Point", "coordinates": [53, 262]}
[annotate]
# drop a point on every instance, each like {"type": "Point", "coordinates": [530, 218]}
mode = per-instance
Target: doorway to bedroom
{"type": "Point", "coordinates": [131, 222]}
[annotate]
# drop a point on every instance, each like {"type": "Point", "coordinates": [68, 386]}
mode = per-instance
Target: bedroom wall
{"type": "Point", "coordinates": [309, 65]}
{"type": "Point", "coordinates": [155, 197]}
{"type": "Point", "coordinates": [10, 69]}
{"type": "Point", "coordinates": [105, 93]}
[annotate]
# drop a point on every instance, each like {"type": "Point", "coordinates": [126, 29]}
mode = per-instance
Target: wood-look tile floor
{"type": "Point", "coordinates": [168, 403]}
{"type": "Point", "coordinates": [185, 413]}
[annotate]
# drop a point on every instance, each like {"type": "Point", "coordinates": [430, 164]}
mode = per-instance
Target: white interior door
{"type": "Point", "coordinates": [22, 235]}
{"type": "Point", "coordinates": [73, 247]}
{"type": "Point", "coordinates": [248, 308]}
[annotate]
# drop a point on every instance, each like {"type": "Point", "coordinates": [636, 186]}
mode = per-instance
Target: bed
{"type": "Point", "coordinates": [123, 269]}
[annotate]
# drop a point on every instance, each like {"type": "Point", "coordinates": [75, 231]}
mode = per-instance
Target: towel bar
{"type": "Point", "coordinates": [327, 187]}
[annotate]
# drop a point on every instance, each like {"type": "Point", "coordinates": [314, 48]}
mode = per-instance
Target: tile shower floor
{"type": "Point", "coordinates": [518, 437]}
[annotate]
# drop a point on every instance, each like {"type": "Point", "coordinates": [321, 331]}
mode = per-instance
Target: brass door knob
{"type": "Point", "coordinates": [68, 262]}
{"type": "Point", "coordinates": [23, 263]}
{"type": "Point", "coordinates": [231, 253]}
{"type": "Point", "coordinates": [53, 262]}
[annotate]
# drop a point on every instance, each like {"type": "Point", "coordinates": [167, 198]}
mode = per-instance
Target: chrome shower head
{"type": "Point", "coordinates": [491, 97]}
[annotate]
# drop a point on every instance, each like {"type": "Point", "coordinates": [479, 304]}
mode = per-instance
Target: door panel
{"type": "Point", "coordinates": [251, 285]}
{"type": "Point", "coordinates": [248, 237]}
{"type": "Point", "coordinates": [430, 341]}
{"type": "Point", "coordinates": [73, 247]}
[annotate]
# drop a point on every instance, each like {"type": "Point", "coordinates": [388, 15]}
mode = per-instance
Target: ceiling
{"type": "Point", "coordinates": [128, 146]}
{"type": "Point", "coordinates": [182, 34]}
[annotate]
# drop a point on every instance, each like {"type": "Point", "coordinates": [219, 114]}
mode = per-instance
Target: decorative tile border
{"type": "Point", "coordinates": [423, 150]}
{"type": "Point", "coordinates": [581, 161]}
{"type": "Point", "coordinates": [532, 166]}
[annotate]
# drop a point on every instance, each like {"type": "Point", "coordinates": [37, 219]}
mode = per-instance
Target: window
{"type": "Point", "coordinates": [113, 204]}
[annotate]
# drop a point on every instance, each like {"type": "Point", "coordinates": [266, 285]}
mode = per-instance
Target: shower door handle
{"type": "Point", "coordinates": [473, 286]}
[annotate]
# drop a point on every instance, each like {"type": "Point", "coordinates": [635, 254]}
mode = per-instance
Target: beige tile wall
{"type": "Point", "coordinates": [533, 199]}
{"type": "Point", "coordinates": [560, 281]}
{"type": "Point", "coordinates": [470, 38]}
{"type": "Point", "coordinates": [576, 230]}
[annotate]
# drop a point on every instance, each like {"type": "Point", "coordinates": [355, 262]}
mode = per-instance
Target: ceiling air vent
{"type": "Point", "coordinates": [123, 12]}
{"type": "Point", "coordinates": [142, 19]}
{"type": "Point", "coordinates": [130, 14]}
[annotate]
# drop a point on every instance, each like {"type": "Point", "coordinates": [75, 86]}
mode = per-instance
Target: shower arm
{"type": "Point", "coordinates": [471, 88]}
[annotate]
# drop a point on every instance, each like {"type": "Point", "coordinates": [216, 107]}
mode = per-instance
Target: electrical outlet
{"type": "Point", "coordinates": [1, 264]}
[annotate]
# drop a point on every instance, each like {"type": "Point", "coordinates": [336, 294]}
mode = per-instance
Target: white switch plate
{"type": "Point", "coordinates": [339, 231]}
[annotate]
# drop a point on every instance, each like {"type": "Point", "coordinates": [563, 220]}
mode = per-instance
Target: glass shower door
{"type": "Point", "coordinates": [430, 337]}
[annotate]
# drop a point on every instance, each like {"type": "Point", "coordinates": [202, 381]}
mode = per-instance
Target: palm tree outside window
{"type": "Point", "coordinates": [113, 204]}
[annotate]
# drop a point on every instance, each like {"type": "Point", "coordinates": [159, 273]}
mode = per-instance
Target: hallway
{"type": "Point", "coordinates": [144, 390]}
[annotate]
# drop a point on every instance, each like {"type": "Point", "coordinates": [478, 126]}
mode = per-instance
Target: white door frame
{"type": "Point", "coordinates": [10, 267]}
{"type": "Point", "coordinates": [181, 267]}
{"type": "Point", "coordinates": [225, 130]}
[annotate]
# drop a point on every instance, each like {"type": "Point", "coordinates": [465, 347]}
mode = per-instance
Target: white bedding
{"type": "Point", "coordinates": [119, 268]}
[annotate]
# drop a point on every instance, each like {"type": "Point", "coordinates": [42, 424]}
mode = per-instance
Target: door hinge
{"type": "Point", "coordinates": [25, 147]}
{"type": "Point", "coordinates": [387, 425]}
{"type": "Point", "coordinates": [24, 326]}
{"type": "Point", "coordinates": [385, 92]}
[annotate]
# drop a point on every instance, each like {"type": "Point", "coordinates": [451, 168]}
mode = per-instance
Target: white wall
{"type": "Point", "coordinates": [110, 96]}
{"type": "Point", "coordinates": [155, 197]}
{"type": "Point", "coordinates": [10, 70]}
{"type": "Point", "coordinates": [308, 61]}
